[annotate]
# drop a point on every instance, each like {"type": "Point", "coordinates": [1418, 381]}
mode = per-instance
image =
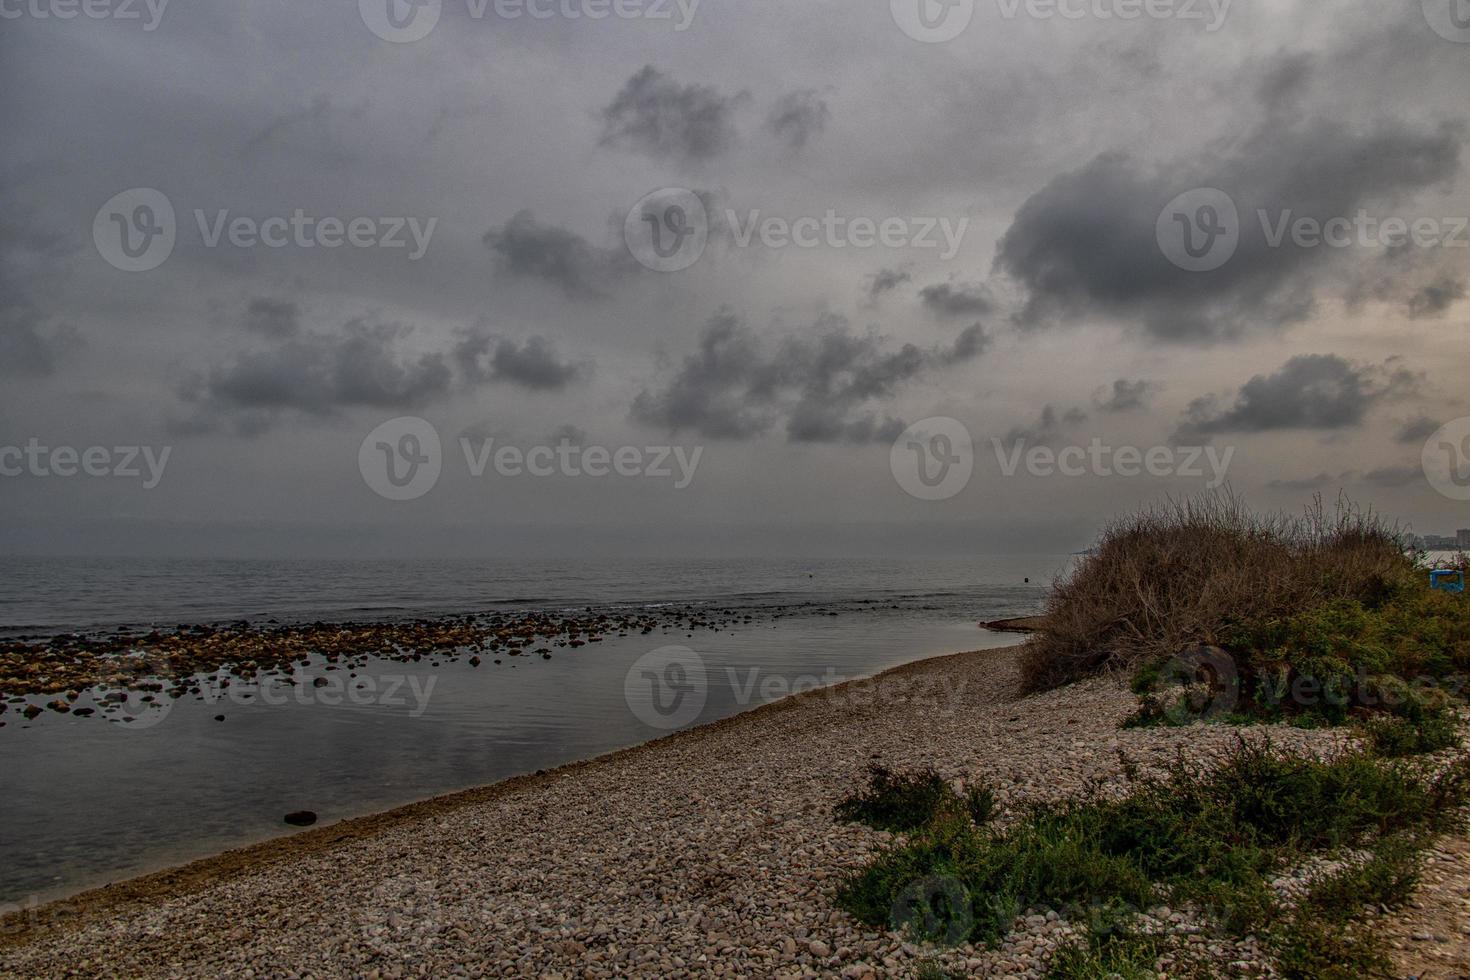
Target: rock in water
{"type": "Point", "coordinates": [301, 818]}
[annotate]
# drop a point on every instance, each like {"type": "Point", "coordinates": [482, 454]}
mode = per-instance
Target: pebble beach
{"type": "Point", "coordinates": [712, 852]}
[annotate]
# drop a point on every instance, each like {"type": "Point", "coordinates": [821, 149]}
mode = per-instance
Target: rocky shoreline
{"type": "Point", "coordinates": [116, 673]}
{"type": "Point", "coordinates": [711, 852]}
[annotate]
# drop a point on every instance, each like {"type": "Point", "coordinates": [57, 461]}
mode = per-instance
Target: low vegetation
{"type": "Point", "coordinates": [1211, 840]}
{"type": "Point", "coordinates": [903, 802]}
{"type": "Point", "coordinates": [1216, 614]}
{"type": "Point", "coordinates": [1317, 620]}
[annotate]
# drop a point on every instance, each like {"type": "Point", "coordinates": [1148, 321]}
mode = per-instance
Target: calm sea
{"type": "Point", "coordinates": [87, 801]}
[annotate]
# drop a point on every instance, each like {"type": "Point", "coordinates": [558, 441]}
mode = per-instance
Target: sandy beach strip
{"type": "Point", "coordinates": [710, 852]}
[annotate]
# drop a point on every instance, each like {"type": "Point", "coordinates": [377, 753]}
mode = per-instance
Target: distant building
{"type": "Point", "coordinates": [1436, 542]}
{"type": "Point", "coordinates": [1464, 536]}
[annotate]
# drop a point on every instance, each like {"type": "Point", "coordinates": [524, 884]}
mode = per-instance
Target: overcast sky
{"type": "Point", "coordinates": [1016, 266]}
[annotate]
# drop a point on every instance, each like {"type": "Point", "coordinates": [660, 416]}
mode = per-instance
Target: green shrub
{"type": "Point", "coordinates": [1214, 839]}
{"type": "Point", "coordinates": [900, 802]}
{"type": "Point", "coordinates": [1183, 573]}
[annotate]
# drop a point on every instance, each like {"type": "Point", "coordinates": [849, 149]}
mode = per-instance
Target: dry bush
{"type": "Point", "coordinates": [1180, 572]}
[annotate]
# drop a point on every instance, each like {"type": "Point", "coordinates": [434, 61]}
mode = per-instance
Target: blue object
{"type": "Point", "coordinates": [1447, 581]}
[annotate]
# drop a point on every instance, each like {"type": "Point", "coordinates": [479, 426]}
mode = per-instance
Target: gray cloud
{"type": "Point", "coordinates": [1086, 244]}
{"type": "Point", "coordinates": [655, 115]}
{"type": "Point", "coordinates": [273, 317]}
{"type": "Point", "coordinates": [823, 383]}
{"type": "Point", "coordinates": [526, 247]}
{"type": "Point", "coordinates": [1436, 298]}
{"type": "Point", "coordinates": [797, 117]}
{"type": "Point", "coordinates": [1416, 430]}
{"type": "Point", "coordinates": [535, 364]}
{"type": "Point", "coordinates": [1046, 429]}
{"type": "Point", "coordinates": [316, 374]}
{"type": "Point", "coordinates": [886, 281]}
{"type": "Point", "coordinates": [1311, 391]}
{"type": "Point", "coordinates": [1124, 396]}
{"type": "Point", "coordinates": [946, 299]}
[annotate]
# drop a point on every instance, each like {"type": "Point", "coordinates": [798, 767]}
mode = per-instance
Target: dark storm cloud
{"type": "Point", "coordinates": [273, 317]}
{"type": "Point", "coordinates": [1086, 243]}
{"type": "Point", "coordinates": [1311, 391]}
{"type": "Point", "coordinates": [1435, 299]}
{"type": "Point", "coordinates": [797, 117]}
{"type": "Point", "coordinates": [1416, 430]}
{"type": "Point", "coordinates": [1124, 396]}
{"type": "Point", "coordinates": [886, 281]}
{"type": "Point", "coordinates": [824, 383]}
{"type": "Point", "coordinates": [655, 115]}
{"type": "Point", "coordinates": [946, 299]}
{"type": "Point", "coordinates": [1049, 427]}
{"type": "Point", "coordinates": [483, 359]}
{"type": "Point", "coordinates": [581, 270]}
{"type": "Point", "coordinates": [317, 374]}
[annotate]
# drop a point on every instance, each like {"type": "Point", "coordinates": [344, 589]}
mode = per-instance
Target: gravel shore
{"type": "Point", "coordinates": [712, 852]}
